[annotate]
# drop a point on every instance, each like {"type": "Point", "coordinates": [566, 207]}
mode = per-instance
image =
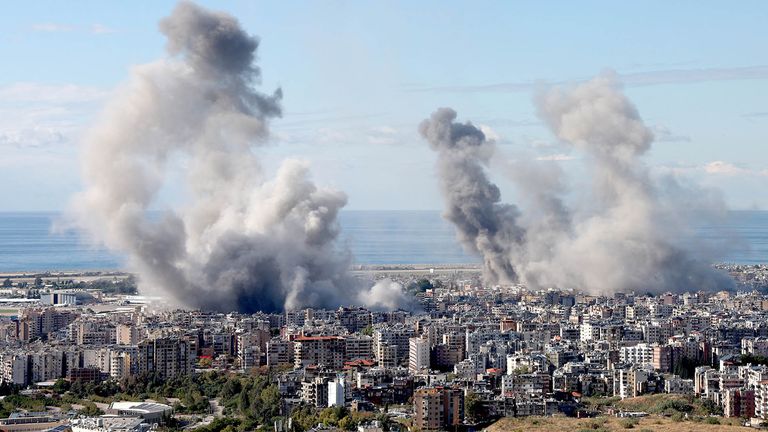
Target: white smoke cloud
{"type": "Point", "coordinates": [627, 236]}
{"type": "Point", "coordinates": [385, 294]}
{"type": "Point", "coordinates": [243, 241]}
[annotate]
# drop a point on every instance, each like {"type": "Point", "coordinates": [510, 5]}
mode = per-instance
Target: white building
{"type": "Point", "coordinates": [336, 394]}
{"type": "Point", "coordinates": [393, 336]}
{"type": "Point", "coordinates": [418, 354]}
{"type": "Point", "coordinates": [149, 411]}
{"type": "Point", "coordinates": [45, 366]}
{"type": "Point", "coordinates": [478, 337]}
{"type": "Point", "coordinates": [677, 385]}
{"type": "Point", "coordinates": [761, 400]}
{"type": "Point", "coordinates": [588, 332]}
{"type": "Point", "coordinates": [110, 424]}
{"type": "Point", "coordinates": [640, 354]}
{"type": "Point", "coordinates": [755, 346]}
{"type": "Point", "coordinates": [13, 368]}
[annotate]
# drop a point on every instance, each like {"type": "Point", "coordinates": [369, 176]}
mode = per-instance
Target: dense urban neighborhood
{"type": "Point", "coordinates": [85, 352]}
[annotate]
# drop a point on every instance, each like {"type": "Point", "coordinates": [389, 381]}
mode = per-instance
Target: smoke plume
{"type": "Point", "coordinates": [628, 237]}
{"type": "Point", "coordinates": [243, 241]}
{"type": "Point", "coordinates": [484, 225]}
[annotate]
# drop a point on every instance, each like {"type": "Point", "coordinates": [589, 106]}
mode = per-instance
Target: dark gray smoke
{"type": "Point", "coordinates": [243, 242]}
{"type": "Point", "coordinates": [629, 236]}
{"type": "Point", "coordinates": [483, 225]}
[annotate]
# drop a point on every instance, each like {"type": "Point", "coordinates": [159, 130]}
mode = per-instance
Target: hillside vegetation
{"type": "Point", "coordinates": [667, 413]}
{"type": "Point", "coordinates": [613, 424]}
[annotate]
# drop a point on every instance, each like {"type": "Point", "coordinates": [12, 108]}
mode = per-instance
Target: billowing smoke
{"type": "Point", "coordinates": [243, 241]}
{"type": "Point", "coordinates": [630, 234]}
{"type": "Point", "coordinates": [483, 224]}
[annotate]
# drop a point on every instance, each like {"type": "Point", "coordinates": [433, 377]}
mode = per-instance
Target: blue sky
{"type": "Point", "coordinates": [359, 76]}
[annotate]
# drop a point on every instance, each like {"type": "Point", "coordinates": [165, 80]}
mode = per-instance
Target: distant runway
{"type": "Point", "coordinates": [411, 269]}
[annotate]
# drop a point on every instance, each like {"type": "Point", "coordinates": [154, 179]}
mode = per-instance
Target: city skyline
{"type": "Point", "coordinates": [329, 216]}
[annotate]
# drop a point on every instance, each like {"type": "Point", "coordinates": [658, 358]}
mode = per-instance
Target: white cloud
{"type": "Point", "coordinates": [384, 130]}
{"type": "Point", "coordinates": [50, 93]}
{"type": "Point", "coordinates": [96, 29]}
{"type": "Point", "coordinates": [101, 29]}
{"type": "Point", "coordinates": [383, 135]}
{"type": "Point", "coordinates": [729, 169]}
{"type": "Point", "coordinates": [714, 168]}
{"type": "Point", "coordinates": [35, 137]}
{"type": "Point", "coordinates": [332, 135]}
{"type": "Point", "coordinates": [636, 79]}
{"type": "Point", "coordinates": [38, 116]}
{"type": "Point", "coordinates": [558, 157]}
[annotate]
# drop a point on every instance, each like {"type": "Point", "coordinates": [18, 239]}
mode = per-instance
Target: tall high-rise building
{"type": "Point", "coordinates": [14, 368]}
{"type": "Point", "coordinates": [325, 351]}
{"type": "Point", "coordinates": [336, 391]}
{"type": "Point", "coordinates": [393, 336]}
{"type": "Point", "coordinates": [165, 357]}
{"type": "Point", "coordinates": [358, 347]}
{"type": "Point", "coordinates": [418, 354]}
{"type": "Point", "coordinates": [437, 408]}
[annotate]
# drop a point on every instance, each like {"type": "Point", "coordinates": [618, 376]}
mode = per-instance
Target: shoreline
{"type": "Point", "coordinates": [354, 269]}
{"type": "Point", "coordinates": [406, 267]}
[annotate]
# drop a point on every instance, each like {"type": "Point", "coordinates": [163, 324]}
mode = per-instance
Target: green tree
{"type": "Point", "coordinates": [711, 407]}
{"type": "Point", "coordinates": [243, 401]}
{"type": "Point", "coordinates": [304, 418]}
{"type": "Point", "coordinates": [231, 388]}
{"type": "Point", "coordinates": [61, 386]}
{"type": "Point", "coordinates": [269, 403]}
{"type": "Point", "coordinates": [473, 406]}
{"type": "Point", "coordinates": [384, 421]}
{"type": "Point", "coordinates": [90, 409]}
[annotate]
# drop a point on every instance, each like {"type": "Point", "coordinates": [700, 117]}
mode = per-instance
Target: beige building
{"type": "Point", "coordinates": [166, 357]}
{"type": "Point", "coordinates": [325, 351]}
{"type": "Point", "coordinates": [437, 408]}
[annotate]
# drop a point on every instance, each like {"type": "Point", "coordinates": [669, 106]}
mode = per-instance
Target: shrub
{"type": "Point", "coordinates": [629, 423]}
{"type": "Point", "coordinates": [678, 417]}
{"type": "Point", "coordinates": [674, 405]}
{"type": "Point", "coordinates": [594, 425]}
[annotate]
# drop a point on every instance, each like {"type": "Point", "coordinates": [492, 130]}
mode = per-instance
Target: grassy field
{"type": "Point", "coordinates": [606, 424]}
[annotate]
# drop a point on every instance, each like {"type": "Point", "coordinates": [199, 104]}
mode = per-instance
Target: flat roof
{"type": "Point", "coordinates": [145, 407]}
{"type": "Point", "coordinates": [311, 338]}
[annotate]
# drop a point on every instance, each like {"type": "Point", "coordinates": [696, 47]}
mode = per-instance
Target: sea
{"type": "Point", "coordinates": [29, 242]}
